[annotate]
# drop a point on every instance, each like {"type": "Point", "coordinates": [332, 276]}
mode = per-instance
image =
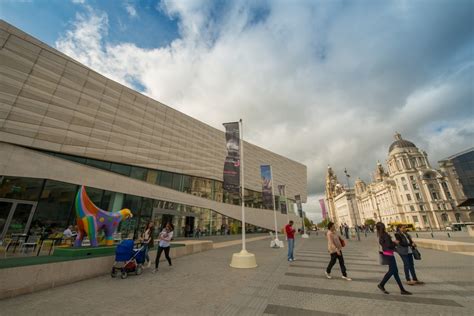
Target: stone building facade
{"type": "Point", "coordinates": [410, 190]}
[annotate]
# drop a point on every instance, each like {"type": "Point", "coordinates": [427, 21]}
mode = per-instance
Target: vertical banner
{"type": "Point", "coordinates": [267, 196]}
{"type": "Point", "coordinates": [298, 205]}
{"type": "Point", "coordinates": [281, 191]}
{"type": "Point", "coordinates": [323, 208]}
{"type": "Point", "coordinates": [232, 160]}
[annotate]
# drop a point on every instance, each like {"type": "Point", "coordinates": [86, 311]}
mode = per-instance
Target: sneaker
{"type": "Point", "coordinates": [381, 288]}
{"type": "Point", "coordinates": [411, 282]}
{"type": "Point", "coordinates": [328, 275]}
{"type": "Point", "coordinates": [154, 270]}
{"type": "Point", "coordinates": [346, 278]}
{"type": "Point", "coordinates": [293, 259]}
{"type": "Point", "coordinates": [405, 292]}
{"type": "Point", "coordinates": [290, 260]}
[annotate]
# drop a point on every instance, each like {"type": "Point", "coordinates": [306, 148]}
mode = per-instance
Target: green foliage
{"type": "Point", "coordinates": [369, 222]}
{"type": "Point", "coordinates": [307, 223]}
{"type": "Point", "coordinates": [324, 223]}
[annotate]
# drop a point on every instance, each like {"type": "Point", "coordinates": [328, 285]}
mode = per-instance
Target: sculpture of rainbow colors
{"type": "Point", "coordinates": [91, 219]}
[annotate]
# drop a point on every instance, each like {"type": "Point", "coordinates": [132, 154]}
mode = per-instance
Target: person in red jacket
{"type": "Point", "coordinates": [290, 235]}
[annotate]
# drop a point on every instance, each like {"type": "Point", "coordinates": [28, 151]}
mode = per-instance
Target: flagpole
{"type": "Point", "coordinates": [242, 180]}
{"type": "Point", "coordinates": [243, 259]}
{"type": "Point", "coordinates": [274, 209]}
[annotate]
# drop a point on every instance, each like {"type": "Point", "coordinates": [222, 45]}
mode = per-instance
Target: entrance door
{"type": "Point", "coordinates": [15, 216]}
{"type": "Point", "coordinates": [189, 226]}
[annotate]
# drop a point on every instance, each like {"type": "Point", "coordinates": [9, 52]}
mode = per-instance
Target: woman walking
{"type": "Point", "coordinates": [405, 250]}
{"type": "Point", "coordinates": [388, 248]}
{"type": "Point", "coordinates": [148, 242]}
{"type": "Point", "coordinates": [335, 249]}
{"type": "Point", "coordinates": [165, 237]}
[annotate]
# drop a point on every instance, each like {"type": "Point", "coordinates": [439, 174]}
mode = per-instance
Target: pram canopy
{"type": "Point", "coordinates": [124, 250]}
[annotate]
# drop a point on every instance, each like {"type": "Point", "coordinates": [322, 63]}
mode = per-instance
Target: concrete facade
{"type": "Point", "coordinates": [27, 279]}
{"type": "Point", "coordinates": [51, 102]}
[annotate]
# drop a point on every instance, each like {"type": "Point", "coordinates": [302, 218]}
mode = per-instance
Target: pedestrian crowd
{"type": "Point", "coordinates": [402, 244]}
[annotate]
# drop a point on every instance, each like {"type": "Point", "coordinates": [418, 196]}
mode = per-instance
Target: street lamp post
{"type": "Point", "coordinates": [353, 212]}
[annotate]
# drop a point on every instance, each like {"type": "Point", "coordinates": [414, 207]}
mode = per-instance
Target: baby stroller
{"type": "Point", "coordinates": [128, 259]}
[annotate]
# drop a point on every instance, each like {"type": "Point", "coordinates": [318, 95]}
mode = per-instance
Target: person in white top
{"type": "Point", "coordinates": [164, 245]}
{"type": "Point", "coordinates": [68, 232]}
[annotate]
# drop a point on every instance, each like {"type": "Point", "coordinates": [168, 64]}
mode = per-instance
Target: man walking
{"type": "Point", "coordinates": [346, 230]}
{"type": "Point", "coordinates": [290, 236]}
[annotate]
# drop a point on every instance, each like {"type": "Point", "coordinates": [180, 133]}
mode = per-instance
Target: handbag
{"type": "Point", "coordinates": [383, 260]}
{"type": "Point", "coordinates": [416, 254]}
{"type": "Point", "coordinates": [342, 241]}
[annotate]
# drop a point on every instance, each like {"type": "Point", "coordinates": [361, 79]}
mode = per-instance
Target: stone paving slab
{"type": "Point", "coordinates": [204, 284]}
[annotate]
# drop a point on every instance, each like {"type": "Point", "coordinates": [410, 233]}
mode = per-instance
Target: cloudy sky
{"type": "Point", "coordinates": [321, 82]}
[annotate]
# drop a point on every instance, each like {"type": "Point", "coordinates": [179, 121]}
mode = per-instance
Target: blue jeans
{"type": "Point", "coordinates": [147, 257]}
{"type": "Point", "coordinates": [392, 271]}
{"type": "Point", "coordinates": [291, 246]}
{"type": "Point", "coordinates": [409, 267]}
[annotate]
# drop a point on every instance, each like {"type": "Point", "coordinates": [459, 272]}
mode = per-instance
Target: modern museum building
{"type": "Point", "coordinates": [63, 125]}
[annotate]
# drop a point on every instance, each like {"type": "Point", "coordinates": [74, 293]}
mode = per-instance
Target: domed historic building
{"type": "Point", "coordinates": [409, 191]}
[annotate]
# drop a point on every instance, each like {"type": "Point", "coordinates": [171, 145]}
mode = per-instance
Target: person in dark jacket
{"type": "Point", "coordinates": [405, 250]}
{"type": "Point", "coordinates": [388, 249]}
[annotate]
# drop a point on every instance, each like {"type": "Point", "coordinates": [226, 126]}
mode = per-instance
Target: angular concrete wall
{"type": "Point", "coordinates": [28, 279]}
{"type": "Point", "coordinates": [50, 101]}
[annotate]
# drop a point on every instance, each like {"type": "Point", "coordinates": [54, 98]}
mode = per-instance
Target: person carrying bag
{"type": "Point", "coordinates": [388, 249]}
{"type": "Point", "coordinates": [406, 248]}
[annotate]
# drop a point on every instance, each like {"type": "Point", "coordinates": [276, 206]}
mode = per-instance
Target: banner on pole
{"type": "Point", "coordinates": [323, 208]}
{"type": "Point", "coordinates": [232, 160]}
{"type": "Point", "coordinates": [281, 191]}
{"type": "Point", "coordinates": [299, 205]}
{"type": "Point", "coordinates": [267, 196]}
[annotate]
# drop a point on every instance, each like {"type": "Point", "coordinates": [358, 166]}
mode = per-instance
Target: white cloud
{"type": "Point", "coordinates": [132, 12]}
{"type": "Point", "coordinates": [78, 1]}
{"type": "Point", "coordinates": [320, 82]}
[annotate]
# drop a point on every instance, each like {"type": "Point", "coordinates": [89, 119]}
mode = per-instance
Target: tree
{"type": "Point", "coordinates": [369, 222]}
{"type": "Point", "coordinates": [324, 223]}
{"type": "Point", "coordinates": [307, 223]}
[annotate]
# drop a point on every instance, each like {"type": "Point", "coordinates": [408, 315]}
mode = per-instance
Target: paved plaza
{"type": "Point", "coordinates": [204, 284]}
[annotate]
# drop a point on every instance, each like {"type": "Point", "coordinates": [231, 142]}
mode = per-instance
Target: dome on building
{"type": "Point", "coordinates": [400, 143]}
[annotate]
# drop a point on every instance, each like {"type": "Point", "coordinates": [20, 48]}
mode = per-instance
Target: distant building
{"type": "Point", "coordinates": [346, 208]}
{"type": "Point", "coordinates": [410, 190]}
{"type": "Point", "coordinates": [459, 168]}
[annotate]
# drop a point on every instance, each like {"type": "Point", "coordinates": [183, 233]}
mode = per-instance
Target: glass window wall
{"type": "Point", "coordinates": [98, 164]}
{"type": "Point", "coordinates": [202, 187]}
{"type": "Point", "coordinates": [18, 188]}
{"type": "Point", "coordinates": [55, 206]}
{"type": "Point", "coordinates": [139, 173]}
{"type": "Point", "coordinates": [166, 179]}
{"type": "Point", "coordinates": [120, 169]}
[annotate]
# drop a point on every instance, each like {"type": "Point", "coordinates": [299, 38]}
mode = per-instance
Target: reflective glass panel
{"type": "Point", "coordinates": [55, 205]}
{"type": "Point", "coordinates": [176, 185]}
{"type": "Point", "coordinates": [98, 164]}
{"type": "Point", "coordinates": [120, 169]}
{"type": "Point", "coordinates": [139, 173]}
{"type": "Point", "coordinates": [20, 188]}
{"type": "Point", "coordinates": [166, 179]}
